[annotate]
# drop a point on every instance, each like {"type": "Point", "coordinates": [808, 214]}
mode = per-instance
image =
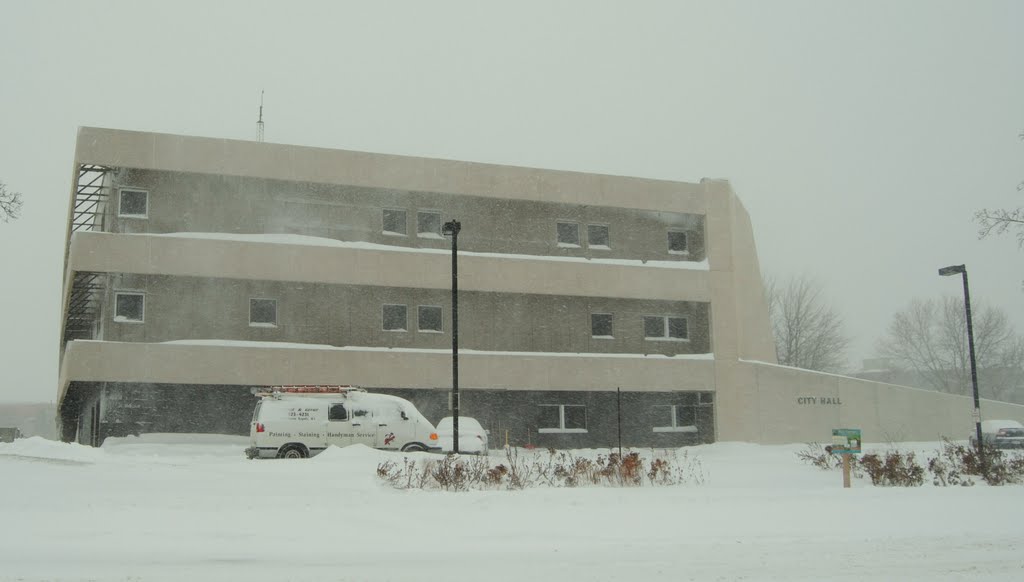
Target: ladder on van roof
{"type": "Point", "coordinates": [312, 389]}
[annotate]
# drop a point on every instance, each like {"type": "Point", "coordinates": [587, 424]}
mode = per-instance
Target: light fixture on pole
{"type": "Point", "coordinates": [451, 229]}
{"type": "Point", "coordinates": [962, 270]}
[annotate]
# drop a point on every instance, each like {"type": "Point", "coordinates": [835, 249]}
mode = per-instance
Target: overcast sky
{"type": "Point", "coordinates": [861, 136]}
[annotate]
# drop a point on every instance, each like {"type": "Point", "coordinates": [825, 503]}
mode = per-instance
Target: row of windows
{"type": "Point", "coordinates": [567, 235]}
{"type": "Point", "coordinates": [572, 418]}
{"type": "Point", "coordinates": [130, 306]}
{"type": "Point", "coordinates": [394, 221]}
{"type": "Point", "coordinates": [667, 327]}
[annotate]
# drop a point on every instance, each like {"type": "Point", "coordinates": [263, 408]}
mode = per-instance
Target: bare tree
{"type": "Point", "coordinates": [999, 220]}
{"type": "Point", "coordinates": [930, 338]}
{"type": "Point", "coordinates": [10, 203]}
{"type": "Point", "coordinates": [808, 332]}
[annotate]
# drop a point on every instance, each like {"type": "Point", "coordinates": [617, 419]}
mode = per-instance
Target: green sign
{"type": "Point", "coordinates": [845, 441]}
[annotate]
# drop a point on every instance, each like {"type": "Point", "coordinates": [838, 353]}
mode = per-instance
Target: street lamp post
{"type": "Point", "coordinates": [452, 228]}
{"type": "Point", "coordinates": [962, 270]}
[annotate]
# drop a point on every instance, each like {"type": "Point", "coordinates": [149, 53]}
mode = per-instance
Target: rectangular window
{"type": "Point", "coordinates": [129, 307]}
{"type": "Point", "coordinates": [568, 234]}
{"type": "Point", "coordinates": [394, 318]}
{"type": "Point", "coordinates": [430, 318]}
{"type": "Point", "coordinates": [394, 222]}
{"type": "Point", "coordinates": [133, 203]}
{"type": "Point", "coordinates": [554, 418]}
{"type": "Point", "coordinates": [674, 418]}
{"type": "Point", "coordinates": [263, 313]}
{"type": "Point", "coordinates": [601, 325]}
{"type": "Point", "coordinates": [665, 327]}
{"type": "Point", "coordinates": [337, 412]}
{"type": "Point", "coordinates": [597, 236]}
{"type": "Point", "coordinates": [677, 242]}
{"type": "Point", "coordinates": [428, 224]}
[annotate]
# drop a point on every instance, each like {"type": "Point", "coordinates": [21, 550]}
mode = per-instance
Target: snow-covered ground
{"type": "Point", "coordinates": [191, 507]}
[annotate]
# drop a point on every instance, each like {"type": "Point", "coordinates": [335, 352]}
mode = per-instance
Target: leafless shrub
{"type": "Point", "coordinates": [816, 455]}
{"type": "Point", "coordinates": [896, 469]}
{"type": "Point", "coordinates": [956, 463]}
{"type": "Point", "coordinates": [556, 469]}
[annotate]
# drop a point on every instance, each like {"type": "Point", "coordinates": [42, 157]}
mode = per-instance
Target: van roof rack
{"type": "Point", "coordinates": [305, 389]}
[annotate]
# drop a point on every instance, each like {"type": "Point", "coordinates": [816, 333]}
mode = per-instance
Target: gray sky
{"type": "Point", "coordinates": [860, 136]}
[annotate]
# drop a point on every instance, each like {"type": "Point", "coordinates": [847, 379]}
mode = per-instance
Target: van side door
{"type": "Point", "coordinates": [394, 428]}
{"type": "Point", "coordinates": [338, 425]}
{"type": "Point", "coordinates": [364, 426]}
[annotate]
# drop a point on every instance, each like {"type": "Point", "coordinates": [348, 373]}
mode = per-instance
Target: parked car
{"type": "Point", "coordinates": [472, 436]}
{"type": "Point", "coordinates": [1001, 434]}
{"type": "Point", "coordinates": [294, 422]}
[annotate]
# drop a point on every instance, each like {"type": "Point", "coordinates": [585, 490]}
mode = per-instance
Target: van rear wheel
{"type": "Point", "coordinates": [413, 448]}
{"type": "Point", "coordinates": [292, 452]}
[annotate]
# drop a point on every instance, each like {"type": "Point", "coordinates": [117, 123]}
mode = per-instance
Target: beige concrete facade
{"type": "Point", "coordinates": [227, 221]}
{"type": "Point", "coordinates": [799, 405]}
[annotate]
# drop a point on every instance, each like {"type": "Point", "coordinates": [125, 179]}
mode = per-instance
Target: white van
{"type": "Point", "coordinates": [294, 422]}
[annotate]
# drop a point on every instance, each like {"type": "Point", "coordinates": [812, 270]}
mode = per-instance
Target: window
{"type": "Point", "coordinates": [568, 234]}
{"type": "Point", "coordinates": [562, 418]}
{"type": "Point", "coordinates": [129, 307]}
{"type": "Point", "coordinates": [674, 418]}
{"type": "Point", "coordinates": [428, 224]}
{"type": "Point", "coordinates": [601, 325]}
{"type": "Point", "coordinates": [133, 203]}
{"type": "Point", "coordinates": [665, 327]}
{"type": "Point", "coordinates": [337, 412]}
{"type": "Point", "coordinates": [394, 318]}
{"type": "Point", "coordinates": [429, 318]}
{"type": "Point", "coordinates": [597, 236]}
{"type": "Point", "coordinates": [677, 242]}
{"type": "Point", "coordinates": [263, 313]}
{"type": "Point", "coordinates": [394, 221]}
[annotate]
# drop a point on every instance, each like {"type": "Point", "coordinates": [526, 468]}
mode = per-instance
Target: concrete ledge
{"type": "Point", "coordinates": [236, 259]}
{"type": "Point", "coordinates": [211, 363]}
{"type": "Point", "coordinates": [157, 151]}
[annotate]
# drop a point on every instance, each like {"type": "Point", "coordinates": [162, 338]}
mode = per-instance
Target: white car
{"type": "Point", "coordinates": [295, 422]}
{"type": "Point", "coordinates": [472, 436]}
{"type": "Point", "coordinates": [1001, 434]}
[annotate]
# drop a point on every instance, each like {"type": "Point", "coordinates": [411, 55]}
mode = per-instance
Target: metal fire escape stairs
{"type": "Point", "coordinates": [92, 192]}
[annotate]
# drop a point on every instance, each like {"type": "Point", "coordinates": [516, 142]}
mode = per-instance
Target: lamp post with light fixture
{"type": "Point", "coordinates": [451, 229]}
{"type": "Point", "coordinates": [962, 270]}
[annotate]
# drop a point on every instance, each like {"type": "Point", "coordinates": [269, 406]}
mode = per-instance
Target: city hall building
{"type": "Point", "coordinates": [590, 307]}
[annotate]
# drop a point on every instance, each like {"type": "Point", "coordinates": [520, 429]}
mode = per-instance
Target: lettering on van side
{"type": "Point", "coordinates": [279, 434]}
{"type": "Point", "coordinates": [310, 435]}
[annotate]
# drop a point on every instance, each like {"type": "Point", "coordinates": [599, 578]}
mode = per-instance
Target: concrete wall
{"type": "Point", "coordinates": [190, 202]}
{"type": "Point", "coordinates": [212, 363]}
{"type": "Point", "coordinates": [315, 263]}
{"type": "Point", "coordinates": [178, 308]}
{"type": "Point", "coordinates": [178, 153]}
{"type": "Point", "coordinates": [512, 415]}
{"type": "Point", "coordinates": [794, 405]}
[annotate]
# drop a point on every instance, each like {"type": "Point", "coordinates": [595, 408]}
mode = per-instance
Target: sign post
{"type": "Point", "coordinates": [846, 442]}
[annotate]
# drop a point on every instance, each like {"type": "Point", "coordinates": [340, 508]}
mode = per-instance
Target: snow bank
{"type": "Point", "coordinates": [43, 449]}
{"type": "Point", "coordinates": [153, 510]}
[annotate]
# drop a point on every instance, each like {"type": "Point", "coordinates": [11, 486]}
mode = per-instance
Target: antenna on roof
{"type": "Point", "coordinates": [259, 123]}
